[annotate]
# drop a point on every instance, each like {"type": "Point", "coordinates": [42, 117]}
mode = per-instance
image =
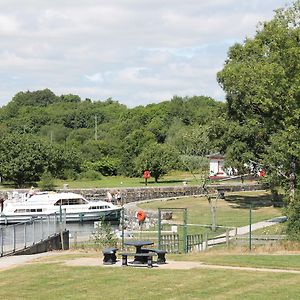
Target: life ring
{"type": "Point", "coordinates": [141, 216]}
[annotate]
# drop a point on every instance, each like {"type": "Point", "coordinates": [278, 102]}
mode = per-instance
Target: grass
{"type": "Point", "coordinates": [52, 280]}
{"type": "Point", "coordinates": [232, 212]}
{"type": "Point", "coordinates": [172, 179]}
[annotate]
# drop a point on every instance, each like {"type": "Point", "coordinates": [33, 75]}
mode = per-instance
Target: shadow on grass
{"type": "Point", "coordinates": [255, 201]}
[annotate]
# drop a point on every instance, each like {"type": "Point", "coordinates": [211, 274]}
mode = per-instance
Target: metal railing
{"type": "Point", "coordinates": [24, 235]}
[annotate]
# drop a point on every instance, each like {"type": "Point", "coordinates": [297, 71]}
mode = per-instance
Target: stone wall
{"type": "Point", "coordinates": [147, 193]}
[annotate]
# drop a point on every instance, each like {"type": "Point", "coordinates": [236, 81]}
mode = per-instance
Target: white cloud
{"type": "Point", "coordinates": [8, 25]}
{"type": "Point", "coordinates": [97, 77]}
{"type": "Point", "coordinates": [134, 51]}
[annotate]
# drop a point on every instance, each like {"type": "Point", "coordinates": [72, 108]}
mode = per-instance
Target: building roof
{"type": "Point", "coordinates": [215, 156]}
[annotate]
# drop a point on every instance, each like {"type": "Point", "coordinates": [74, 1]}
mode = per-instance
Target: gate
{"type": "Point", "coordinates": [173, 243]}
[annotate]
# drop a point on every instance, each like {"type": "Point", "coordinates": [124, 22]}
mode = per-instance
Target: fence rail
{"type": "Point", "coordinates": [23, 235]}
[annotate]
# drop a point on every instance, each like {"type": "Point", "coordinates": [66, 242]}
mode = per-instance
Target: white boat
{"type": "Point", "coordinates": [23, 207]}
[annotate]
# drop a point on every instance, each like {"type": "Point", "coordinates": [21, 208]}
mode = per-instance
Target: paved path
{"type": "Point", "coordinates": [246, 229]}
{"type": "Point", "coordinates": [8, 262]}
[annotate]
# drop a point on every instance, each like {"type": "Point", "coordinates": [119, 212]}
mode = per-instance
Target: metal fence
{"type": "Point", "coordinates": [23, 235]}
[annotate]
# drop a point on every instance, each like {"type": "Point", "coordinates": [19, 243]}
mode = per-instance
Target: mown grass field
{"type": "Point", "coordinates": [49, 278]}
{"type": "Point", "coordinates": [232, 212]}
{"type": "Point", "coordinates": [172, 179]}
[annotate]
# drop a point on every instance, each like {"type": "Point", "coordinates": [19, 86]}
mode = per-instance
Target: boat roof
{"type": "Point", "coordinates": [52, 197]}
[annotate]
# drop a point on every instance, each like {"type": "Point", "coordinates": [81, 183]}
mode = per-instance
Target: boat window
{"type": "Point", "coordinates": [20, 210]}
{"type": "Point", "coordinates": [70, 201]}
{"type": "Point", "coordinates": [99, 207]}
{"type": "Point", "coordinates": [23, 210]}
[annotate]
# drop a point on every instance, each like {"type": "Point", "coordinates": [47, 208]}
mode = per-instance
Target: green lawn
{"type": "Point", "coordinates": [275, 261]}
{"type": "Point", "coordinates": [54, 280]}
{"type": "Point", "coordinates": [172, 179]}
{"type": "Point", "coordinates": [232, 212]}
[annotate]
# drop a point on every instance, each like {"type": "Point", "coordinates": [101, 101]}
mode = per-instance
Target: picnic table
{"type": "Point", "coordinates": [138, 259]}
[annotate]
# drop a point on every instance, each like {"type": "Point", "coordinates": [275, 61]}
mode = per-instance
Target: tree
{"type": "Point", "coordinates": [36, 98]}
{"type": "Point", "coordinates": [261, 79]}
{"type": "Point", "coordinates": [158, 159]}
{"type": "Point", "coordinates": [24, 158]}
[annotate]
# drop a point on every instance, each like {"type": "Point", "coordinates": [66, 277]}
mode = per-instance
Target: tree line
{"type": "Point", "coordinates": [70, 137]}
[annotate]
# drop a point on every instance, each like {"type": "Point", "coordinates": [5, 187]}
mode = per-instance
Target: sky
{"type": "Point", "coordinates": [133, 51]}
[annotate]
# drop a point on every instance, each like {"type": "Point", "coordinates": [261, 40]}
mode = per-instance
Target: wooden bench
{"type": "Point", "coordinates": [109, 256]}
{"type": "Point", "coordinates": [148, 256]}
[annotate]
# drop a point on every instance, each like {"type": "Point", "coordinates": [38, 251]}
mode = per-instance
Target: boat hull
{"type": "Point", "coordinates": [109, 216]}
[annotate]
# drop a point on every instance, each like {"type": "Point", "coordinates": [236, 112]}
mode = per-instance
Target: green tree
{"type": "Point", "coordinates": [24, 158]}
{"type": "Point", "coordinates": [158, 159]}
{"type": "Point", "coordinates": [261, 78]}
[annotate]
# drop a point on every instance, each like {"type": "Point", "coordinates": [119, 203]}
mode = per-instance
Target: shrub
{"type": "Point", "coordinates": [91, 175]}
{"type": "Point", "coordinates": [103, 235]}
{"type": "Point", "coordinates": [69, 174]}
{"type": "Point", "coordinates": [46, 182]}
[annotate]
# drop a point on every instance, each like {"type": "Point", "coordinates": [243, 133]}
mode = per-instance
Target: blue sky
{"type": "Point", "coordinates": [134, 51]}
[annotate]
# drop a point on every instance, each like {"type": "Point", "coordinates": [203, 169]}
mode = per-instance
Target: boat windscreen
{"type": "Point", "coordinates": [75, 201]}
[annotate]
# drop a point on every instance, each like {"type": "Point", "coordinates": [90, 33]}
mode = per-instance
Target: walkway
{"type": "Point", "coordinates": [245, 229]}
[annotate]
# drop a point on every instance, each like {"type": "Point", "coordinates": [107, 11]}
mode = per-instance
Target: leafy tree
{"type": "Point", "coordinates": [261, 79]}
{"type": "Point", "coordinates": [24, 158]}
{"type": "Point", "coordinates": [36, 98]}
{"type": "Point", "coordinates": [70, 98]}
{"type": "Point", "coordinates": [158, 159]}
{"type": "Point", "coordinates": [282, 159]}
{"type": "Point", "coordinates": [293, 223]}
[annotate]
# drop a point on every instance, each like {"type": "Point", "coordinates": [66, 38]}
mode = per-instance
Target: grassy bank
{"type": "Point", "coordinates": [52, 279]}
{"type": "Point", "coordinates": [232, 212]}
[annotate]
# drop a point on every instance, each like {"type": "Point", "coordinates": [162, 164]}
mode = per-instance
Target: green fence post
{"type": "Point", "coordinates": [159, 229]}
{"type": "Point", "coordinates": [185, 229]}
{"type": "Point", "coordinates": [250, 229]}
{"type": "Point", "coordinates": [123, 224]}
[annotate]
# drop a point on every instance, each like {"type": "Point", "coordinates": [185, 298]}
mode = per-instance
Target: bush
{"type": "Point", "coordinates": [106, 166]}
{"type": "Point", "coordinates": [69, 174]}
{"type": "Point", "coordinates": [104, 236]}
{"type": "Point", "coordinates": [91, 175]}
{"type": "Point", "coordinates": [46, 182]}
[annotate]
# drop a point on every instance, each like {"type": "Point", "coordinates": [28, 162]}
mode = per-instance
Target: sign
{"type": "Point", "coordinates": [146, 174]}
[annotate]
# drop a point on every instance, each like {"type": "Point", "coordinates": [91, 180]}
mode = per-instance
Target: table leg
{"type": "Point", "coordinates": [124, 260]}
{"type": "Point", "coordinates": [149, 261]}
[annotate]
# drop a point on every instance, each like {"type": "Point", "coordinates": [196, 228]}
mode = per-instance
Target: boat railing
{"type": "Point", "coordinates": [23, 235]}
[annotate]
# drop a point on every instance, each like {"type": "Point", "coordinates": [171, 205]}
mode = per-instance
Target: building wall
{"type": "Point", "coordinates": [216, 168]}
